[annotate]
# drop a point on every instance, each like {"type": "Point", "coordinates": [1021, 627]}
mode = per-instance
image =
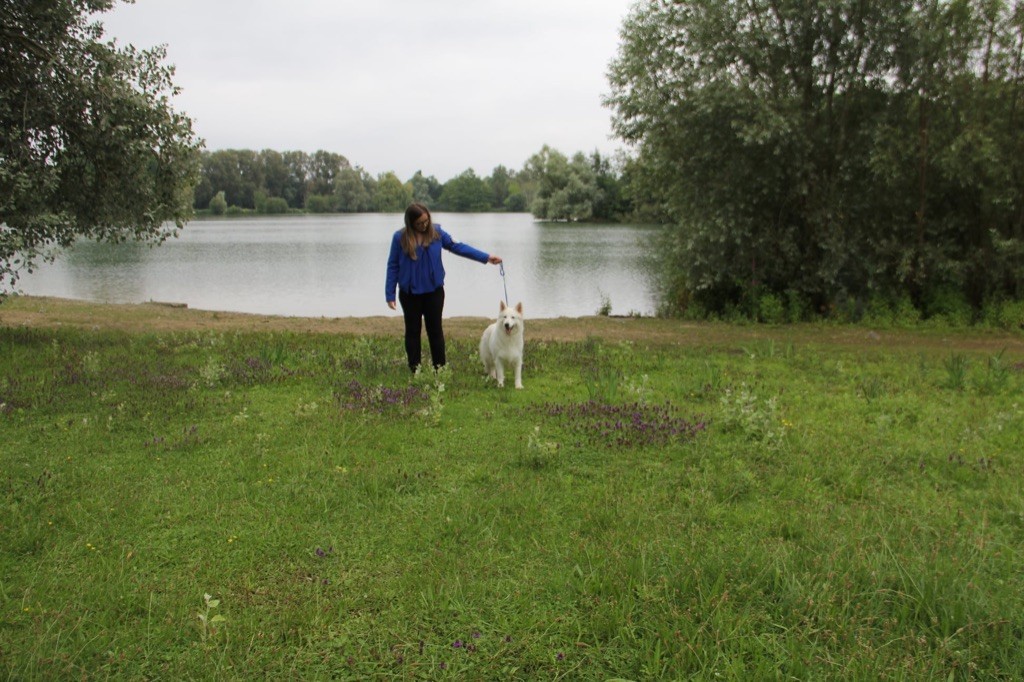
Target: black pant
{"type": "Point", "coordinates": [417, 308]}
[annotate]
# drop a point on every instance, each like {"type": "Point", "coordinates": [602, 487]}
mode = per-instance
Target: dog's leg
{"type": "Point", "coordinates": [499, 372]}
{"type": "Point", "coordinates": [519, 373]}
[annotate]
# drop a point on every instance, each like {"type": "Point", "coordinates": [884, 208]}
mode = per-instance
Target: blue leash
{"type": "Point", "coordinates": [501, 269]}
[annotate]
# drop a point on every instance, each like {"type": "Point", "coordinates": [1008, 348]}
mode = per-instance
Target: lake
{"type": "Point", "coordinates": [334, 266]}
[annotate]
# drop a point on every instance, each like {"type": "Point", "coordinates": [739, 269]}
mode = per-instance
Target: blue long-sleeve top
{"type": "Point", "coordinates": [426, 273]}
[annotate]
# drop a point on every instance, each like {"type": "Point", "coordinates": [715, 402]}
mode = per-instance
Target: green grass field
{"type": "Point", "coordinates": [224, 505]}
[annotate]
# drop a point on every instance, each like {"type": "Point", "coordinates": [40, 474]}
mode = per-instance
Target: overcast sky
{"type": "Point", "coordinates": [393, 85]}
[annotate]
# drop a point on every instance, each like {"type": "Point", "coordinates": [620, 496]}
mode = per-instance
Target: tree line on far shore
{"type": "Point", "coordinates": [550, 185]}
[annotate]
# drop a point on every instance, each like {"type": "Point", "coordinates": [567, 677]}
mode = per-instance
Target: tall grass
{"type": "Point", "coordinates": [189, 505]}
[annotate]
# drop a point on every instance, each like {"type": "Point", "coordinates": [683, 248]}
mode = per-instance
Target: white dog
{"type": "Point", "coordinates": [502, 345]}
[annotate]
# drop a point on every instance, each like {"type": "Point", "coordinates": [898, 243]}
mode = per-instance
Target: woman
{"type": "Point", "coordinates": [414, 268]}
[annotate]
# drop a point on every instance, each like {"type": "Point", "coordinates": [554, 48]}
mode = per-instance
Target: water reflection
{"type": "Point", "coordinates": [334, 266]}
{"type": "Point", "coordinates": [595, 264]}
{"type": "Point", "coordinates": [97, 272]}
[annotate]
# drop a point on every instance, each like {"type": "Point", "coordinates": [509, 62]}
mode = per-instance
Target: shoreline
{"type": "Point", "coordinates": [155, 317]}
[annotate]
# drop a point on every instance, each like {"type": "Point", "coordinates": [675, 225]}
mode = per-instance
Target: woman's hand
{"type": "Point", "coordinates": [494, 260]}
{"type": "Point", "coordinates": [391, 304]}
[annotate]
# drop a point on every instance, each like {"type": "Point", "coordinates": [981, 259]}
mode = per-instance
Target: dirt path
{"type": "Point", "coordinates": [31, 311]}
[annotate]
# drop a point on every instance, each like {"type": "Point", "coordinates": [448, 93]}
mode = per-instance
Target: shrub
{"type": "Point", "coordinates": [948, 305]}
{"type": "Point", "coordinates": [516, 203]}
{"type": "Point", "coordinates": [846, 309]}
{"type": "Point", "coordinates": [797, 307]}
{"type": "Point", "coordinates": [275, 206]}
{"type": "Point", "coordinates": [770, 309]}
{"type": "Point", "coordinates": [1011, 315]}
{"type": "Point", "coordinates": [270, 205]}
{"type": "Point", "coordinates": [879, 312]}
{"type": "Point", "coordinates": [905, 314]}
{"type": "Point", "coordinates": [883, 311]}
{"type": "Point", "coordinates": [757, 419]}
{"type": "Point", "coordinates": [260, 201]}
{"type": "Point", "coordinates": [319, 203]}
{"type": "Point", "coordinates": [218, 204]}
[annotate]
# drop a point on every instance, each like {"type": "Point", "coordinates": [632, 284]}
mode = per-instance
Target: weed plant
{"type": "Point", "coordinates": [227, 505]}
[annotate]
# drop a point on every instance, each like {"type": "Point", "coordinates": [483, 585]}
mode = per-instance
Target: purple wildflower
{"type": "Point", "coordinates": [637, 424]}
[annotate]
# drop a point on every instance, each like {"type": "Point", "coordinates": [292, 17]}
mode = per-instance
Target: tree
{"type": "Point", "coordinates": [220, 173]}
{"type": "Point", "coordinates": [89, 143]}
{"type": "Point", "coordinates": [391, 194]}
{"type": "Point", "coordinates": [609, 203]}
{"type": "Point", "coordinates": [516, 201]}
{"type": "Point", "coordinates": [297, 178]}
{"type": "Point", "coordinates": [369, 185]}
{"type": "Point", "coordinates": [500, 183]}
{"type": "Point", "coordinates": [465, 192]}
{"type": "Point", "coordinates": [567, 190]}
{"type": "Point", "coordinates": [324, 168]}
{"type": "Point", "coordinates": [641, 192]}
{"type": "Point", "coordinates": [829, 152]}
{"type": "Point", "coordinates": [350, 191]}
{"type": "Point", "coordinates": [275, 173]}
{"type": "Point", "coordinates": [251, 175]}
{"type": "Point", "coordinates": [425, 189]}
{"type": "Point", "coordinates": [522, 190]}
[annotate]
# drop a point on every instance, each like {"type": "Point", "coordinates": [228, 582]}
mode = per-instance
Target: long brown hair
{"type": "Point", "coordinates": [413, 214]}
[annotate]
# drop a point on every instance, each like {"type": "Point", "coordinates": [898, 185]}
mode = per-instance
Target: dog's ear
{"type": "Point", "coordinates": [519, 307]}
{"type": "Point", "coordinates": [502, 308]}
